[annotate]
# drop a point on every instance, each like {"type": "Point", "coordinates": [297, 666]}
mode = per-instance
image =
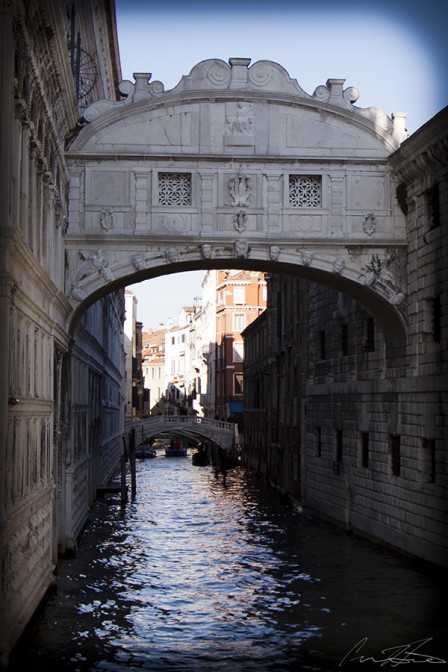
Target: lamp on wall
{"type": "Point", "coordinates": [12, 400]}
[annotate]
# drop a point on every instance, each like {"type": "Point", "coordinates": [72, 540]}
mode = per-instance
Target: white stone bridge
{"type": "Point", "coordinates": [237, 167]}
{"type": "Point", "coordinates": [222, 433]}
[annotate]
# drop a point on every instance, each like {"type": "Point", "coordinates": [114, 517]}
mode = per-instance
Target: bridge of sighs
{"type": "Point", "coordinates": [237, 167]}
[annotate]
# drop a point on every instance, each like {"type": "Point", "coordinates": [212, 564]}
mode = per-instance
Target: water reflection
{"type": "Point", "coordinates": [193, 576]}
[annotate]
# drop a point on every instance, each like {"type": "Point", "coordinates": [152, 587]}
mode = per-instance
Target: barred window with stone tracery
{"type": "Point", "coordinates": [305, 191]}
{"type": "Point", "coordinates": [174, 189]}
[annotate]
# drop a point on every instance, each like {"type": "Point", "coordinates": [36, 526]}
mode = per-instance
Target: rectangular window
{"type": "Point", "coordinates": [174, 189]}
{"type": "Point", "coordinates": [238, 352]}
{"type": "Point", "coordinates": [436, 319]}
{"type": "Point", "coordinates": [429, 460]}
{"type": "Point", "coordinates": [433, 206]}
{"type": "Point", "coordinates": [239, 295]}
{"type": "Point", "coordinates": [365, 449]}
{"type": "Point", "coordinates": [339, 445]}
{"type": "Point", "coordinates": [305, 191]}
{"type": "Point", "coordinates": [238, 383]}
{"type": "Point", "coordinates": [322, 345]}
{"type": "Point", "coordinates": [370, 335]}
{"type": "Point", "coordinates": [239, 322]}
{"type": "Point", "coordinates": [344, 340]}
{"type": "Point", "coordinates": [318, 441]}
{"type": "Point", "coordinates": [395, 454]}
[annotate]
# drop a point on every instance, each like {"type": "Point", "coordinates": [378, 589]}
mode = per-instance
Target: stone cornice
{"type": "Point", "coordinates": [425, 152]}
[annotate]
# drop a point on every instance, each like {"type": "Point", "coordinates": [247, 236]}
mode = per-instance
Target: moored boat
{"type": "Point", "coordinates": [176, 449]}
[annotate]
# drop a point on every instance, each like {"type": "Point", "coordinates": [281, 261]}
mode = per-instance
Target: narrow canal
{"type": "Point", "coordinates": [194, 576]}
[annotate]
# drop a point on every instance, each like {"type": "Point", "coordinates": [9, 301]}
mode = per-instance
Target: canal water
{"type": "Point", "coordinates": [196, 576]}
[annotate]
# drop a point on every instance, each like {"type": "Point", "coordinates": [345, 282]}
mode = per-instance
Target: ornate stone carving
{"type": "Point", "coordinates": [138, 262]}
{"type": "Point", "coordinates": [305, 191]}
{"type": "Point", "coordinates": [174, 189]}
{"type": "Point", "coordinates": [307, 257]}
{"type": "Point", "coordinates": [239, 187]}
{"type": "Point", "coordinates": [78, 294]}
{"type": "Point", "coordinates": [107, 219]}
{"type": "Point", "coordinates": [241, 120]}
{"type": "Point", "coordinates": [338, 265]}
{"type": "Point", "coordinates": [95, 262]}
{"type": "Point", "coordinates": [241, 249]}
{"type": "Point", "coordinates": [240, 221]}
{"type": "Point", "coordinates": [369, 223]}
{"type": "Point", "coordinates": [274, 252]}
{"type": "Point", "coordinates": [206, 251]}
{"type": "Point", "coordinates": [171, 255]}
{"type": "Point", "coordinates": [385, 272]}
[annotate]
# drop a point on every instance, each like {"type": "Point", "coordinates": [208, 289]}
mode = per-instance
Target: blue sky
{"type": "Point", "coordinates": [394, 52]}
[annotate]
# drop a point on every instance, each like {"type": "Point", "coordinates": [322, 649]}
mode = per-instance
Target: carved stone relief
{"type": "Point", "coordinates": [240, 221]}
{"type": "Point", "coordinates": [171, 255]}
{"type": "Point", "coordinates": [387, 273]}
{"type": "Point", "coordinates": [107, 219]}
{"type": "Point", "coordinates": [241, 249]}
{"type": "Point", "coordinates": [239, 187]}
{"type": "Point", "coordinates": [338, 265]}
{"type": "Point", "coordinates": [274, 252]}
{"type": "Point", "coordinates": [240, 120]}
{"type": "Point", "coordinates": [307, 257]}
{"type": "Point", "coordinates": [96, 262]}
{"type": "Point", "coordinates": [206, 251]}
{"type": "Point", "coordinates": [369, 223]}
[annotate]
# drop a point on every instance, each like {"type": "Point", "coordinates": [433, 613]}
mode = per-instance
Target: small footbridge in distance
{"type": "Point", "coordinates": [224, 434]}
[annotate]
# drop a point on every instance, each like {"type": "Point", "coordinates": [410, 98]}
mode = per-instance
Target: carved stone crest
{"type": "Point", "coordinates": [369, 224]}
{"type": "Point", "coordinates": [239, 187]}
{"type": "Point", "coordinates": [240, 221]}
{"type": "Point", "coordinates": [107, 219]}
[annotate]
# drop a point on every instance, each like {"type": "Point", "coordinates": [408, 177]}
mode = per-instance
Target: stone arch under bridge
{"type": "Point", "coordinates": [237, 166]}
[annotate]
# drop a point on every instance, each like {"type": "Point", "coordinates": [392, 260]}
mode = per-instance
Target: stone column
{"type": "Point", "coordinates": [273, 202]}
{"type": "Point", "coordinates": [141, 201]}
{"type": "Point", "coordinates": [207, 181]}
{"type": "Point", "coordinates": [336, 207]}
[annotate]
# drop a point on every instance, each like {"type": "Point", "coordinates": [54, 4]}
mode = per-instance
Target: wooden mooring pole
{"type": "Point", "coordinates": [132, 463]}
{"type": "Point", "coordinates": [124, 489]}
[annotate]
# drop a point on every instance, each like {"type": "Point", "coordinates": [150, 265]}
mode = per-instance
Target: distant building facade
{"type": "Point", "coordinates": [153, 364]}
{"type": "Point", "coordinates": [240, 298]}
{"type": "Point", "coordinates": [178, 371]}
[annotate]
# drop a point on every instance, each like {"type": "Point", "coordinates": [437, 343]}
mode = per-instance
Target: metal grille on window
{"type": "Point", "coordinates": [174, 189]}
{"type": "Point", "coordinates": [305, 191]}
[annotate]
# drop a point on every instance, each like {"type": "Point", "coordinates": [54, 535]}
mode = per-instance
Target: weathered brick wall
{"type": "Point", "coordinates": [398, 493]}
{"type": "Point", "coordinates": [361, 417]}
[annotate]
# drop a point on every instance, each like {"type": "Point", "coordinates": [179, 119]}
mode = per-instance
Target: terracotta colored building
{"type": "Point", "coordinates": [241, 298]}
